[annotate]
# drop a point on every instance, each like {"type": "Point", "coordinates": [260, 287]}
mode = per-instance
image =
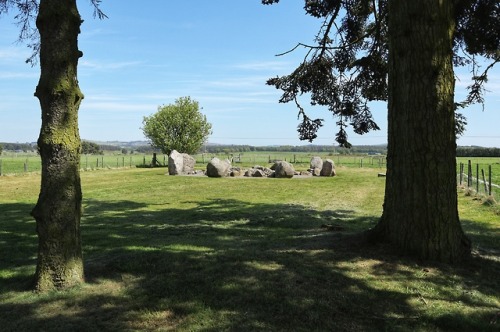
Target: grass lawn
{"type": "Point", "coordinates": [191, 253]}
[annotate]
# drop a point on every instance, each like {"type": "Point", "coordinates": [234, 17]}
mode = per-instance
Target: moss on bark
{"type": "Point", "coordinates": [58, 210]}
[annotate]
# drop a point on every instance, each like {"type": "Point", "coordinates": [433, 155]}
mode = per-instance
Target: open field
{"type": "Point", "coordinates": [21, 163]}
{"type": "Point", "coordinates": [25, 163]}
{"type": "Point", "coordinates": [187, 253]}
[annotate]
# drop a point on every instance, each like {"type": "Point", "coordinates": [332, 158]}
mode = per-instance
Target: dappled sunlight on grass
{"type": "Point", "coordinates": [243, 255]}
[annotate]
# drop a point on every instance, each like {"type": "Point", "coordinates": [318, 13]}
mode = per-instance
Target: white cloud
{"type": "Point", "coordinates": [116, 107]}
{"type": "Point", "coordinates": [18, 75]}
{"type": "Point", "coordinates": [264, 65]}
{"type": "Point", "coordinates": [85, 64]}
{"type": "Point", "coordinates": [237, 82]}
{"type": "Point", "coordinates": [18, 54]}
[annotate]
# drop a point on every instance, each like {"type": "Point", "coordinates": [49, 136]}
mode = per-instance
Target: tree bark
{"type": "Point", "coordinates": [420, 214]}
{"type": "Point", "coordinates": [58, 210]}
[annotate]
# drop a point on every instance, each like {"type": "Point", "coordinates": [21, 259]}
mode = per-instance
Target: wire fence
{"type": "Point", "coordinates": [478, 179]}
{"type": "Point", "coordinates": [27, 163]}
{"type": "Point", "coordinates": [18, 164]}
{"type": "Point", "coordinates": [483, 177]}
{"type": "Point", "coordinates": [299, 160]}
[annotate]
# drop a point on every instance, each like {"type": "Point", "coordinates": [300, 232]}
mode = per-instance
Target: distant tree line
{"type": "Point", "coordinates": [370, 149]}
{"type": "Point", "coordinates": [94, 148]}
{"type": "Point", "coordinates": [25, 147]}
{"type": "Point", "coordinates": [477, 151]}
{"type": "Point", "coordinates": [89, 147]}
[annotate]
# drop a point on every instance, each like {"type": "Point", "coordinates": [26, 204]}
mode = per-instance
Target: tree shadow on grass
{"type": "Point", "coordinates": [483, 237]}
{"type": "Point", "coordinates": [18, 246]}
{"type": "Point", "coordinates": [228, 265]}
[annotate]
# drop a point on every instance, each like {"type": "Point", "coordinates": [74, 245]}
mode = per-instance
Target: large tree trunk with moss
{"type": "Point", "coordinates": [58, 209]}
{"type": "Point", "coordinates": [420, 213]}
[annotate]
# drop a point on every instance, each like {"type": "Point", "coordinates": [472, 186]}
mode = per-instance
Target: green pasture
{"type": "Point", "coordinates": [25, 163]}
{"type": "Point", "coordinates": [22, 163]}
{"type": "Point", "coordinates": [192, 253]}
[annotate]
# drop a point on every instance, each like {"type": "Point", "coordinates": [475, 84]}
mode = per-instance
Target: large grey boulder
{"type": "Point", "coordinates": [189, 162]}
{"type": "Point", "coordinates": [316, 162]}
{"type": "Point", "coordinates": [283, 169]}
{"type": "Point", "coordinates": [175, 163]}
{"type": "Point", "coordinates": [328, 168]}
{"type": "Point", "coordinates": [316, 165]}
{"type": "Point", "coordinates": [180, 163]}
{"type": "Point", "coordinates": [217, 168]}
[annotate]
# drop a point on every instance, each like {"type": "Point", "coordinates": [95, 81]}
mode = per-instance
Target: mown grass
{"type": "Point", "coordinates": [166, 253]}
{"type": "Point", "coordinates": [20, 163]}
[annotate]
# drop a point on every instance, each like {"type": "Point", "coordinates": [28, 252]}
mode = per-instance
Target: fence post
{"type": "Point", "coordinates": [116, 162]}
{"type": "Point", "coordinates": [461, 173]}
{"type": "Point", "coordinates": [469, 174]}
{"type": "Point", "coordinates": [123, 161]}
{"type": "Point", "coordinates": [86, 162]}
{"type": "Point", "coordinates": [477, 178]}
{"type": "Point", "coordinates": [144, 161]}
{"type": "Point", "coordinates": [489, 179]}
{"type": "Point", "coordinates": [484, 181]}
{"type": "Point", "coordinates": [1, 167]}
{"type": "Point", "coordinates": [102, 162]}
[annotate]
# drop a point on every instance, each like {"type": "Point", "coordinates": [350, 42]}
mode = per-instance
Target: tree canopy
{"type": "Point", "coordinates": [347, 65]}
{"type": "Point", "coordinates": [25, 17]}
{"type": "Point", "coordinates": [179, 126]}
{"type": "Point", "coordinates": [402, 52]}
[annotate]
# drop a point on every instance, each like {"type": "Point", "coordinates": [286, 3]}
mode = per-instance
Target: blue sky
{"type": "Point", "coordinates": [219, 53]}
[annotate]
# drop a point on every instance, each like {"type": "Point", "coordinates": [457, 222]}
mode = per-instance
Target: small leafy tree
{"type": "Point", "coordinates": [91, 148]}
{"type": "Point", "coordinates": [179, 126]}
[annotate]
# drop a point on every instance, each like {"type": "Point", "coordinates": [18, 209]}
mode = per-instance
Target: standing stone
{"type": "Point", "coordinates": [316, 165]}
{"type": "Point", "coordinates": [283, 169]}
{"type": "Point", "coordinates": [175, 163]}
{"type": "Point", "coordinates": [316, 162]}
{"type": "Point", "coordinates": [180, 163]}
{"type": "Point", "coordinates": [328, 168]}
{"type": "Point", "coordinates": [189, 162]}
{"type": "Point", "coordinates": [217, 168]}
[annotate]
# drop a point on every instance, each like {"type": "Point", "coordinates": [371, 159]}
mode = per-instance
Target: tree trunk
{"type": "Point", "coordinates": [420, 213]}
{"type": "Point", "coordinates": [58, 209]}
